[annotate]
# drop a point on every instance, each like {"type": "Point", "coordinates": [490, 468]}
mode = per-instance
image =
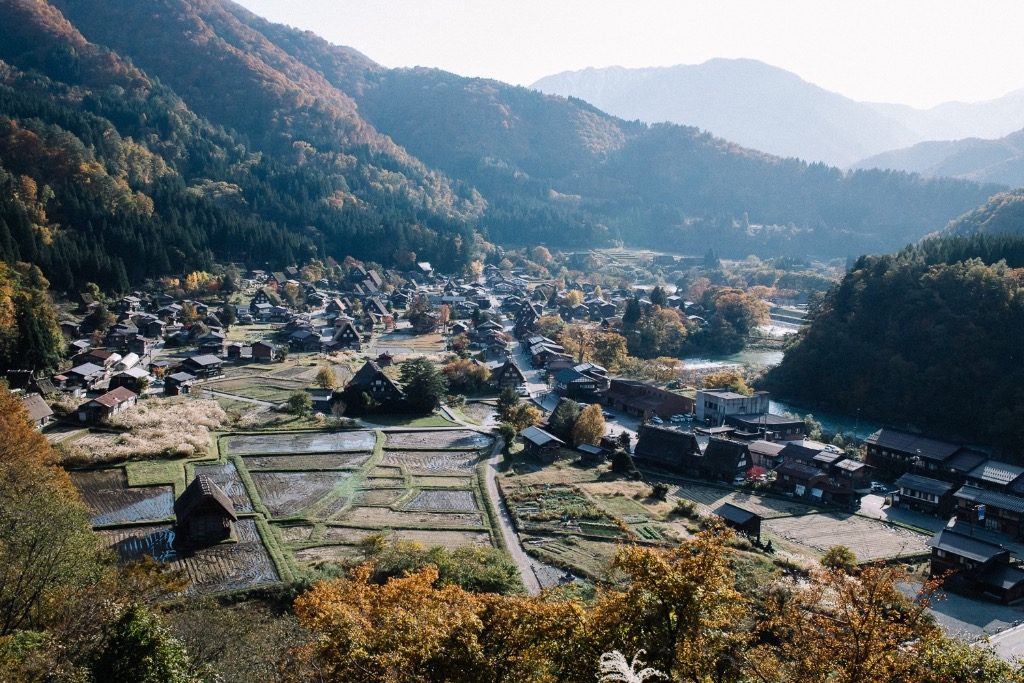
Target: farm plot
{"type": "Point", "coordinates": [295, 534]}
{"type": "Point", "coordinates": [260, 388]}
{"type": "Point", "coordinates": [383, 482]}
{"type": "Point", "coordinates": [220, 568]}
{"type": "Point", "coordinates": [335, 442]}
{"type": "Point", "coordinates": [709, 499]}
{"type": "Point", "coordinates": [446, 482]}
{"type": "Point", "coordinates": [111, 501]}
{"type": "Point", "coordinates": [386, 517]}
{"type": "Point", "coordinates": [226, 476]}
{"type": "Point", "coordinates": [559, 509]}
{"type": "Point", "coordinates": [588, 557]}
{"type": "Point", "coordinates": [325, 461]}
{"type": "Point", "coordinates": [374, 497]}
{"type": "Point", "coordinates": [447, 439]}
{"type": "Point", "coordinates": [327, 553]}
{"type": "Point", "coordinates": [442, 499]}
{"type": "Point", "coordinates": [433, 462]}
{"type": "Point", "coordinates": [446, 538]}
{"type": "Point", "coordinates": [287, 494]}
{"type": "Point", "coordinates": [869, 539]}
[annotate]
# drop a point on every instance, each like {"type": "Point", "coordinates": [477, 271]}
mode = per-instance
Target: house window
{"type": "Point", "coordinates": [940, 553]}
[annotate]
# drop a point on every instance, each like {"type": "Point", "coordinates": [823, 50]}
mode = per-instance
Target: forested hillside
{"type": "Point", "coordinates": [161, 136]}
{"type": "Point", "coordinates": [1002, 214]}
{"type": "Point", "coordinates": [559, 171]}
{"type": "Point", "coordinates": [108, 176]}
{"type": "Point", "coordinates": [929, 337]}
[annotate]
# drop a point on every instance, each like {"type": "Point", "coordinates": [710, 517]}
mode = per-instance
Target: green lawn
{"type": "Point", "coordinates": [434, 420]}
{"type": "Point", "coordinates": [155, 472]}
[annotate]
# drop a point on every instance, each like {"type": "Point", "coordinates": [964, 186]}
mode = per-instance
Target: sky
{"type": "Point", "coordinates": [916, 52]}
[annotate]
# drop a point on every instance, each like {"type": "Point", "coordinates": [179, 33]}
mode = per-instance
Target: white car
{"type": "Point", "coordinates": [522, 390]}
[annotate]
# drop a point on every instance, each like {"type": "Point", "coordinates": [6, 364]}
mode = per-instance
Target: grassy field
{"type": "Point", "coordinates": [411, 421]}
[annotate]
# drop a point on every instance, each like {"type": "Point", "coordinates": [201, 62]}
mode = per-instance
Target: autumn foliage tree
{"type": "Point", "coordinates": [589, 427]}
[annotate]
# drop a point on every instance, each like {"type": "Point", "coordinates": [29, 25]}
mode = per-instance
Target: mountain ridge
{"type": "Point", "coordinates": [774, 110]}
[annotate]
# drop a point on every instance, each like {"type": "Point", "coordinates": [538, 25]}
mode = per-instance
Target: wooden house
{"type": "Point", "coordinates": [204, 514]}
{"type": "Point", "coordinates": [109, 404]}
{"type": "Point", "coordinates": [203, 366]}
{"type": "Point", "coordinates": [540, 444]}
{"type": "Point", "coordinates": [507, 374]}
{"type": "Point", "coordinates": [347, 337]}
{"type": "Point", "coordinates": [743, 521]}
{"type": "Point", "coordinates": [975, 566]}
{"type": "Point", "coordinates": [263, 351]}
{"type": "Point", "coordinates": [373, 381]}
{"type": "Point", "coordinates": [178, 384]}
{"type": "Point", "coordinates": [37, 410]}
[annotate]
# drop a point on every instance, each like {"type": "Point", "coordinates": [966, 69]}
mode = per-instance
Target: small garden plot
{"type": "Point", "coordinates": [446, 539]}
{"type": "Point", "coordinates": [583, 556]}
{"type": "Point", "coordinates": [433, 462]}
{"type": "Point", "coordinates": [217, 569]}
{"type": "Point", "coordinates": [481, 413]}
{"type": "Point", "coordinates": [295, 534]}
{"type": "Point", "coordinates": [451, 439]}
{"type": "Point", "coordinates": [326, 461]}
{"type": "Point", "coordinates": [383, 482]}
{"type": "Point", "coordinates": [426, 482]}
{"type": "Point", "coordinates": [111, 501]}
{"type": "Point", "coordinates": [344, 534]}
{"type": "Point", "coordinates": [386, 517]}
{"type": "Point", "coordinates": [332, 508]}
{"type": "Point", "coordinates": [287, 494]}
{"type": "Point", "coordinates": [558, 509]}
{"type": "Point", "coordinates": [385, 472]}
{"type": "Point", "coordinates": [328, 553]}
{"type": "Point", "coordinates": [869, 539]}
{"type": "Point", "coordinates": [260, 388]}
{"type": "Point", "coordinates": [301, 373]}
{"type": "Point", "coordinates": [710, 498]}
{"type": "Point", "coordinates": [446, 500]}
{"type": "Point", "coordinates": [226, 476]}
{"type": "Point", "coordinates": [334, 442]}
{"type": "Point", "coordinates": [374, 497]}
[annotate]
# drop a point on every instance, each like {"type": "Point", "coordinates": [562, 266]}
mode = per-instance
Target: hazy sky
{"type": "Point", "coordinates": [918, 52]}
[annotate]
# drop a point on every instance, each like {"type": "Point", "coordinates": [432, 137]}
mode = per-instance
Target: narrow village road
{"type": "Point", "coordinates": [508, 532]}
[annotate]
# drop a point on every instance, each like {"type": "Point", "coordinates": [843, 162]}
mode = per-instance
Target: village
{"type": "Point", "coordinates": [312, 443]}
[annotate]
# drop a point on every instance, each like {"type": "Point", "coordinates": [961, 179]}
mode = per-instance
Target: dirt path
{"type": "Point", "coordinates": [508, 532]}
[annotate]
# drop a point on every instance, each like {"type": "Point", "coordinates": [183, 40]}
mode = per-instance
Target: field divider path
{"type": "Point", "coordinates": [508, 533]}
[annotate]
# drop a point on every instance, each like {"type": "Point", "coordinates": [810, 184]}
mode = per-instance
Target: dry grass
{"type": "Point", "coordinates": [171, 427]}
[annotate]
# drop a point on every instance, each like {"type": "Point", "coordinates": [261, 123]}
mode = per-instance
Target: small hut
{"type": "Point", "coordinates": [205, 513]}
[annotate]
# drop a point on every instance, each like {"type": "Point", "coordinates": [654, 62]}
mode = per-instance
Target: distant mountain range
{"type": "Point", "coordinates": [991, 161]}
{"type": "Point", "coordinates": [774, 110]}
{"type": "Point", "coordinates": [141, 138]}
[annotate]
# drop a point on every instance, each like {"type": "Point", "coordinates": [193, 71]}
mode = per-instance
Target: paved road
{"type": "Point", "coordinates": [1008, 644]}
{"type": "Point", "coordinates": [508, 532]}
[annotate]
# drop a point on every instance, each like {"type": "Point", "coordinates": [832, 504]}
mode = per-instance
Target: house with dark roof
{"type": "Point", "coordinates": [84, 375]}
{"type": "Point", "coordinates": [993, 510]}
{"type": "Point", "coordinates": [263, 351]}
{"type": "Point", "coordinates": [507, 374]}
{"type": "Point", "coordinates": [645, 400]}
{"type": "Point", "coordinates": [373, 381]}
{"type": "Point", "coordinates": [178, 383]}
{"type": "Point", "coordinates": [540, 444]}
{"type": "Point", "coordinates": [743, 521]}
{"type": "Point", "coordinates": [975, 566]}
{"type": "Point", "coordinates": [666, 447]}
{"type": "Point", "coordinates": [204, 514]}
{"type": "Point", "coordinates": [203, 366]}
{"type": "Point", "coordinates": [577, 385]}
{"type": "Point", "coordinates": [996, 475]}
{"type": "Point", "coordinates": [894, 451]}
{"type": "Point", "coordinates": [767, 426]}
{"type": "Point", "coordinates": [112, 403]}
{"type": "Point", "coordinates": [924, 494]}
{"type": "Point", "coordinates": [347, 337]}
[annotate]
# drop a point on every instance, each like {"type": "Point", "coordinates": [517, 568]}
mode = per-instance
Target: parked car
{"type": "Point", "coordinates": [657, 420]}
{"type": "Point", "coordinates": [879, 487]}
{"type": "Point", "coordinates": [522, 390]}
{"type": "Point", "coordinates": [678, 418]}
{"type": "Point", "coordinates": [608, 416]}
